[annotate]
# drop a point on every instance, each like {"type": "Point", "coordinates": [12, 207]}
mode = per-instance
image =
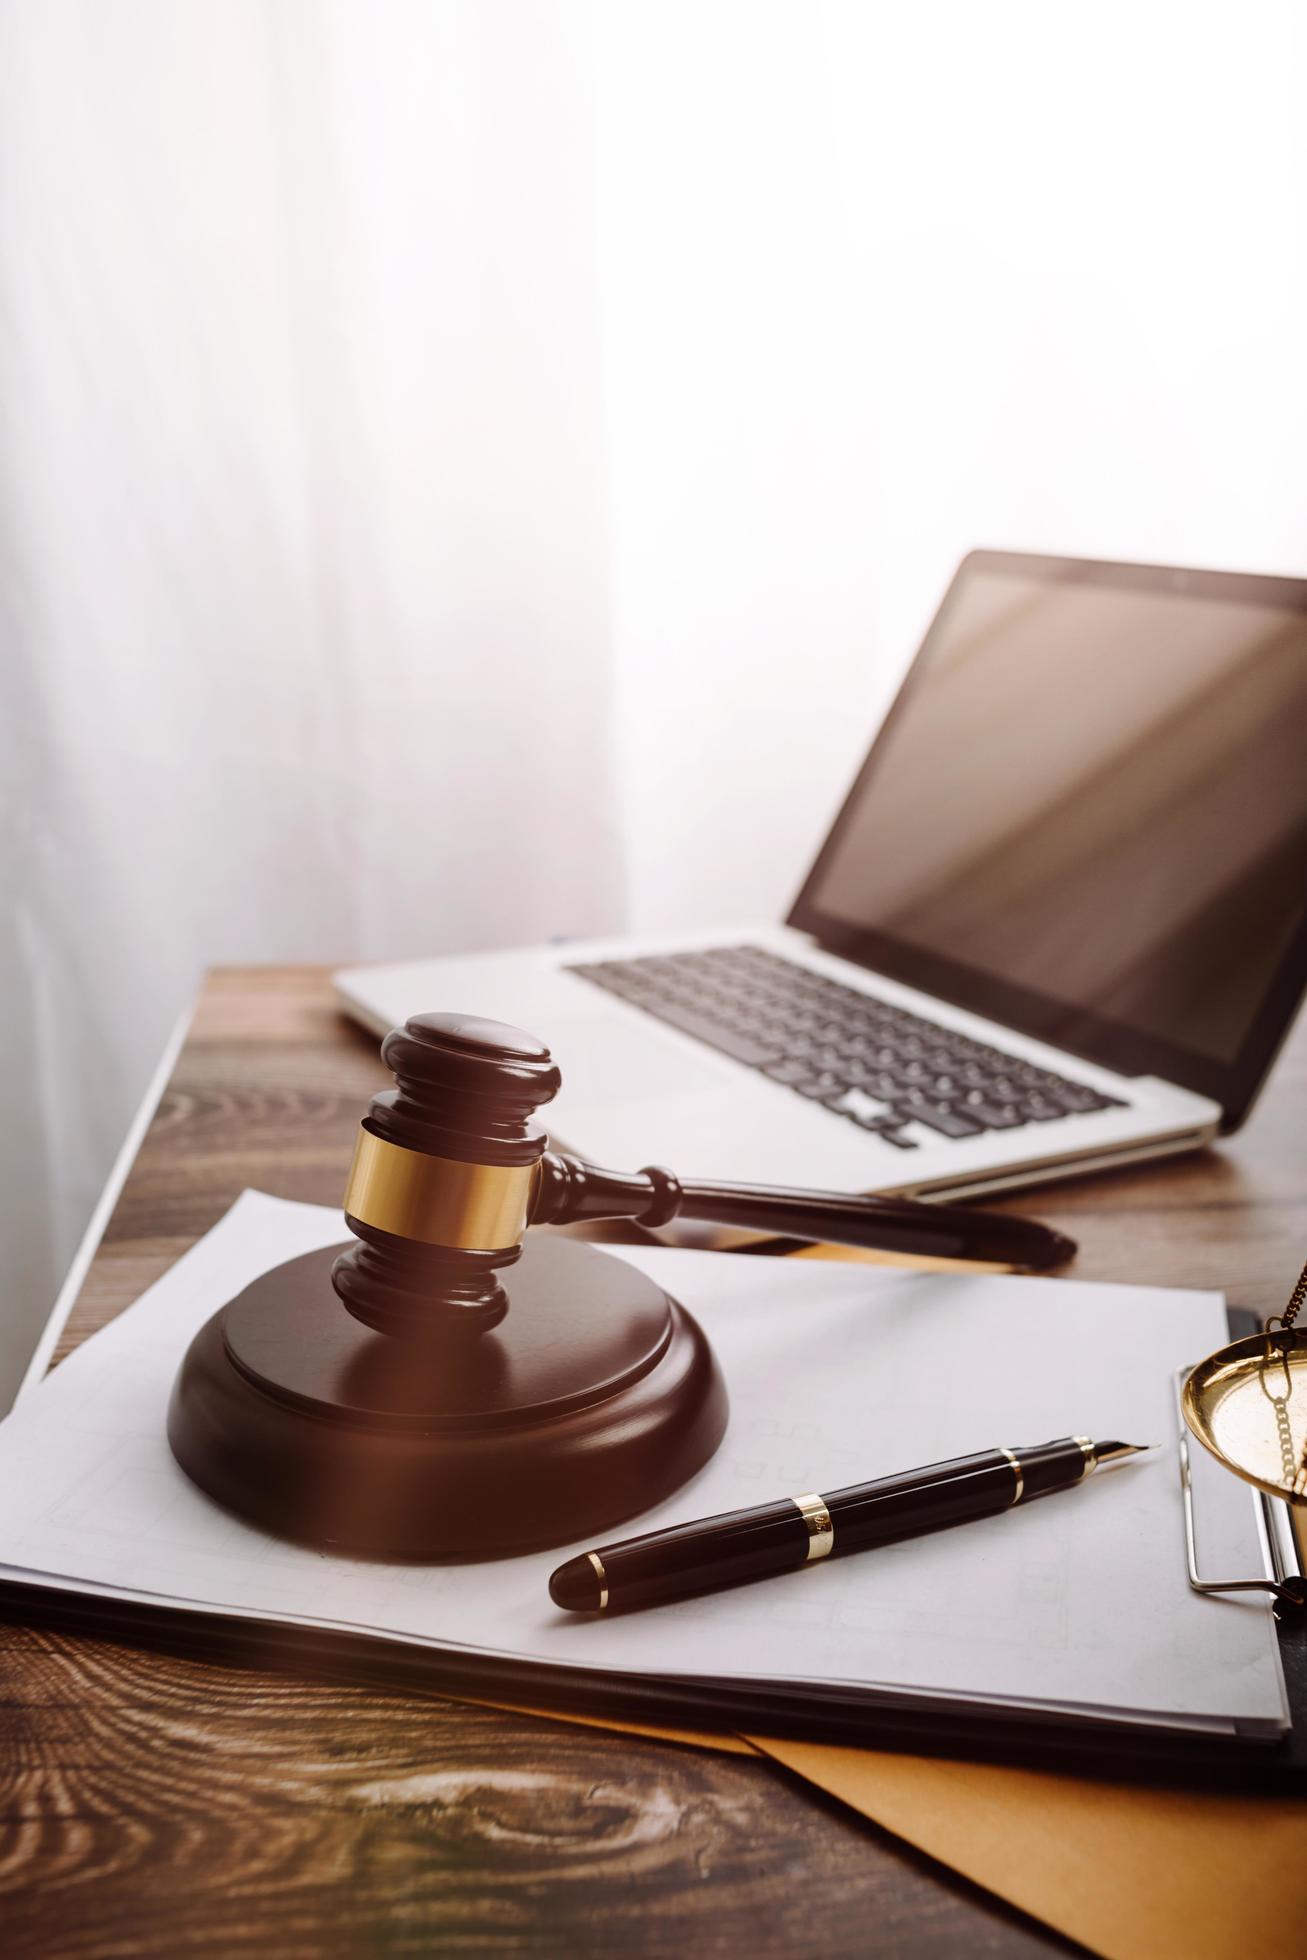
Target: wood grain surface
{"type": "Point", "coordinates": [154, 1803]}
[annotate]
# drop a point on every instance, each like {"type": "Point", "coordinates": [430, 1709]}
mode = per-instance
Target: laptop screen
{"type": "Point", "coordinates": [1087, 812]}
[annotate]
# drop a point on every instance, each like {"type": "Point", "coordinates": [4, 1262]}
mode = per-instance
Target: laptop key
{"type": "Point", "coordinates": [949, 1122]}
{"type": "Point", "coordinates": [1077, 1100]}
{"type": "Point", "coordinates": [792, 1072]}
{"type": "Point", "coordinates": [1038, 1109]}
{"type": "Point", "coordinates": [827, 1057]}
{"type": "Point", "coordinates": [994, 1116]}
{"type": "Point", "coordinates": [819, 1087]}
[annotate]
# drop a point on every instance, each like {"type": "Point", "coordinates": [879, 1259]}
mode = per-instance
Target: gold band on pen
{"type": "Point", "coordinates": [1020, 1474]}
{"type": "Point", "coordinates": [821, 1531]}
{"type": "Point", "coordinates": [1089, 1453]}
{"type": "Point", "coordinates": [437, 1200]}
{"type": "Point", "coordinates": [601, 1576]}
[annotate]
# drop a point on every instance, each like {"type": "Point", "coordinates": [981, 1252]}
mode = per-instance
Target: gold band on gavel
{"type": "Point", "coordinates": [438, 1200]}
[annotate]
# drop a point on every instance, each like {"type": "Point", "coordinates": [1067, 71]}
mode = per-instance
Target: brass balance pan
{"type": "Point", "coordinates": [1247, 1404]}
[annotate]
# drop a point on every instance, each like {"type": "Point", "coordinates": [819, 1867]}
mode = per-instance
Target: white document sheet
{"type": "Point", "coordinates": [836, 1373]}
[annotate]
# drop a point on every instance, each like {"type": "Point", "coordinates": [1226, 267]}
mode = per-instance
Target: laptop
{"type": "Point", "coordinates": [1059, 924]}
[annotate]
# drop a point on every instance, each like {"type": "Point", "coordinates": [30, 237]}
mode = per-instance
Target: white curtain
{"type": "Point", "coordinates": [473, 470]}
{"type": "Point", "coordinates": [305, 615]}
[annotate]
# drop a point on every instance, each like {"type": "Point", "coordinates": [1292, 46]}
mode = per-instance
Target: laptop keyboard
{"type": "Point", "coordinates": [880, 1066]}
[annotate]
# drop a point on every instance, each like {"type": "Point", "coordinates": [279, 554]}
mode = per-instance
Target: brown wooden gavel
{"type": "Point", "coordinates": [452, 1413]}
{"type": "Point", "coordinates": [450, 1170]}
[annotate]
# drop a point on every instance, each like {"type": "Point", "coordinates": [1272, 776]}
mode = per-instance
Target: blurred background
{"type": "Point", "coordinates": [476, 470]}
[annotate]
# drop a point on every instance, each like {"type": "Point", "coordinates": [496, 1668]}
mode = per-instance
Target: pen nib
{"type": "Point", "coordinates": [1114, 1452]}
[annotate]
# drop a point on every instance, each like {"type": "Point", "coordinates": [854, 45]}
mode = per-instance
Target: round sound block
{"type": "Point", "coordinates": [593, 1399]}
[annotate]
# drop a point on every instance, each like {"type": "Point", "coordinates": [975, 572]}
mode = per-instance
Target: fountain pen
{"type": "Point", "coordinates": [736, 1546]}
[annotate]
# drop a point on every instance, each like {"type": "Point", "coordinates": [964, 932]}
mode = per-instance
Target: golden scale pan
{"type": "Point", "coordinates": [1247, 1404]}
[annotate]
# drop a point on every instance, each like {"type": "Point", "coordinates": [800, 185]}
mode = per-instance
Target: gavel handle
{"type": "Point", "coordinates": [568, 1190]}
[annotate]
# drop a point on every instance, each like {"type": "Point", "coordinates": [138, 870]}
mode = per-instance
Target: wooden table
{"type": "Point", "coordinates": [154, 1803]}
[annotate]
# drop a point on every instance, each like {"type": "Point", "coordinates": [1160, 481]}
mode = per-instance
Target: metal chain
{"type": "Point", "coordinates": [1294, 1471]}
{"type": "Point", "coordinates": [1296, 1299]}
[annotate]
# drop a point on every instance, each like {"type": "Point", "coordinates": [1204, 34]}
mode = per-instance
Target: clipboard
{"type": "Point", "coordinates": [1082, 1745]}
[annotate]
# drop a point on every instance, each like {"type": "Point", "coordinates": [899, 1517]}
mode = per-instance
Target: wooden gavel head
{"type": "Point", "coordinates": [444, 1172]}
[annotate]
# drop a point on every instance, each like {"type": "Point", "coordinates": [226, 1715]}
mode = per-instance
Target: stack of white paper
{"type": "Point", "coordinates": [1076, 1605]}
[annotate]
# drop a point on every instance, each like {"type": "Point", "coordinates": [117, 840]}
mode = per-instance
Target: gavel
{"type": "Point", "coordinates": [490, 1389]}
{"type": "Point", "coordinates": [449, 1171]}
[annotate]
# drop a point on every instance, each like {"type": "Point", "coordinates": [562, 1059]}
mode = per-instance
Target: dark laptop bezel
{"type": "Point", "coordinates": [1234, 1085]}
